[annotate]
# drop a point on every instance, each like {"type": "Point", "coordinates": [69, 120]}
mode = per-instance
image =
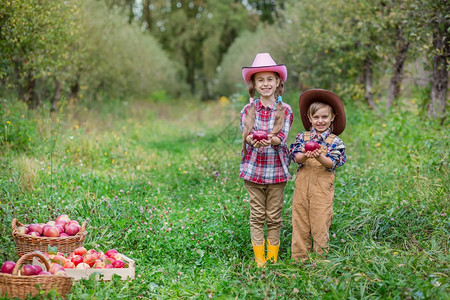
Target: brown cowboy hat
{"type": "Point", "coordinates": [325, 96]}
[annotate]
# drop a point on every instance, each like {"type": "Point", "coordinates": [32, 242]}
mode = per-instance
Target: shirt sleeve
{"type": "Point", "coordinates": [336, 152]}
{"type": "Point", "coordinates": [297, 146]}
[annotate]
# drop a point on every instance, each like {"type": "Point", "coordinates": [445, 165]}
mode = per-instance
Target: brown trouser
{"type": "Point", "coordinates": [266, 203]}
{"type": "Point", "coordinates": [312, 209]}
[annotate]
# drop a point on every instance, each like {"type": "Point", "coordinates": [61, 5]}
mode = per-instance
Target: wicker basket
{"type": "Point", "coordinates": [14, 285]}
{"type": "Point", "coordinates": [26, 243]}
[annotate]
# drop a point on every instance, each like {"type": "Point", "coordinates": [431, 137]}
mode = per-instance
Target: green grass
{"type": "Point", "coordinates": [159, 182]}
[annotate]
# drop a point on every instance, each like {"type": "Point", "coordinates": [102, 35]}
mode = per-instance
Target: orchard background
{"type": "Point", "coordinates": [126, 114]}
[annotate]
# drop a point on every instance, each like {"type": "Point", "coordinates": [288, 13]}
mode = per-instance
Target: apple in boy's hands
{"type": "Point", "coordinates": [260, 135]}
{"type": "Point", "coordinates": [311, 146]}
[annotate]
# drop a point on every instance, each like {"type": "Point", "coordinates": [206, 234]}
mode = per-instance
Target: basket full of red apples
{"type": "Point", "coordinates": [21, 280]}
{"type": "Point", "coordinates": [63, 233]}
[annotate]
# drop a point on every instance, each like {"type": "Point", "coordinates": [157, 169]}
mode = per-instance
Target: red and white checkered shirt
{"type": "Point", "coordinates": [267, 165]}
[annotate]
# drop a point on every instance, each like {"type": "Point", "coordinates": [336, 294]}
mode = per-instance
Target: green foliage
{"type": "Point", "coordinates": [35, 38]}
{"type": "Point", "coordinates": [119, 60]}
{"type": "Point", "coordinates": [241, 53]}
{"type": "Point", "coordinates": [159, 182]}
{"type": "Point", "coordinates": [18, 132]}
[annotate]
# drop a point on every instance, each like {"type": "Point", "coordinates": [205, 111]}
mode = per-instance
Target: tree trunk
{"type": "Point", "coordinates": [397, 77]}
{"type": "Point", "coordinates": [31, 97]}
{"type": "Point", "coordinates": [438, 102]}
{"type": "Point", "coordinates": [146, 14]}
{"type": "Point", "coordinates": [75, 89]}
{"type": "Point", "coordinates": [368, 73]}
{"type": "Point", "coordinates": [190, 68]}
{"type": "Point", "coordinates": [441, 45]}
{"type": "Point", "coordinates": [206, 95]}
{"type": "Point", "coordinates": [56, 96]}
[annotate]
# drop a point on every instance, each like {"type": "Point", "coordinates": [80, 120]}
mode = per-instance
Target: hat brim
{"type": "Point", "coordinates": [324, 96]}
{"type": "Point", "coordinates": [247, 72]}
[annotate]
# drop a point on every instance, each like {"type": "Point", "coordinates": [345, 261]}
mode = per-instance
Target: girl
{"type": "Point", "coordinates": [264, 163]}
{"type": "Point", "coordinates": [323, 114]}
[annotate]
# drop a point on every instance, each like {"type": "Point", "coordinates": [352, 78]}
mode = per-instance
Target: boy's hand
{"type": "Point", "coordinates": [313, 154]}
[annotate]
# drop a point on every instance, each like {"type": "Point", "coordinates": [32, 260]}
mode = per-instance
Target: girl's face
{"type": "Point", "coordinates": [321, 119]}
{"type": "Point", "coordinates": [266, 84]}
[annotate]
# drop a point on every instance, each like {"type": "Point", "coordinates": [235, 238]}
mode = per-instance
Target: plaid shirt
{"type": "Point", "coordinates": [336, 151]}
{"type": "Point", "coordinates": [267, 165]}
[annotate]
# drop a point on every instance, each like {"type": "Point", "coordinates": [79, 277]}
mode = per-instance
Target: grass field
{"type": "Point", "coordinates": [159, 182]}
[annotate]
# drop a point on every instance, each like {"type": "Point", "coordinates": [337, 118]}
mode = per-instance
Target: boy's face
{"type": "Point", "coordinates": [266, 84]}
{"type": "Point", "coordinates": [321, 119]}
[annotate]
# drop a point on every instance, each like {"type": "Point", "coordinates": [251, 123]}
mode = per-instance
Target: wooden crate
{"type": "Point", "coordinates": [102, 274]}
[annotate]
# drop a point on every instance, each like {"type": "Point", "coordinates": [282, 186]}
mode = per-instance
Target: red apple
{"type": "Point", "coordinates": [69, 265]}
{"type": "Point", "coordinates": [111, 252]}
{"type": "Point", "coordinates": [311, 146]}
{"type": "Point", "coordinates": [260, 135]}
{"type": "Point", "coordinates": [38, 269]}
{"type": "Point", "coordinates": [28, 270]}
{"type": "Point", "coordinates": [62, 223]}
{"type": "Point", "coordinates": [89, 259]}
{"type": "Point", "coordinates": [76, 259]}
{"type": "Point", "coordinates": [52, 223]}
{"type": "Point", "coordinates": [45, 227]}
{"type": "Point", "coordinates": [60, 228]}
{"type": "Point", "coordinates": [83, 266]}
{"type": "Point", "coordinates": [109, 267]}
{"type": "Point", "coordinates": [80, 251]}
{"type": "Point", "coordinates": [73, 222]}
{"type": "Point", "coordinates": [117, 256]}
{"type": "Point", "coordinates": [35, 227]}
{"type": "Point", "coordinates": [72, 229]}
{"type": "Point", "coordinates": [118, 264]}
{"type": "Point", "coordinates": [51, 231]}
{"type": "Point", "coordinates": [62, 218]}
{"type": "Point", "coordinates": [99, 264]}
{"type": "Point", "coordinates": [44, 273]}
{"type": "Point", "coordinates": [22, 229]}
{"type": "Point", "coordinates": [63, 234]}
{"type": "Point", "coordinates": [59, 259]}
{"type": "Point", "coordinates": [55, 267]}
{"type": "Point", "coordinates": [8, 267]}
{"type": "Point", "coordinates": [34, 233]}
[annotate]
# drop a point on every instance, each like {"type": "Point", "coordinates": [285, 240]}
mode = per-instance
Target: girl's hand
{"type": "Point", "coordinates": [257, 144]}
{"type": "Point", "coordinates": [265, 143]}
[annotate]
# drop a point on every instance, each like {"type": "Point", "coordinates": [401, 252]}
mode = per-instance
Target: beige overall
{"type": "Point", "coordinates": [312, 206]}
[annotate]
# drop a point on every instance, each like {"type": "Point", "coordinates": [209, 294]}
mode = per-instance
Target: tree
{"type": "Point", "coordinates": [35, 38]}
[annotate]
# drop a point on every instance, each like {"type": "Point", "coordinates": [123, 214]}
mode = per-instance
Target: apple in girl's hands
{"type": "Point", "coordinates": [260, 135]}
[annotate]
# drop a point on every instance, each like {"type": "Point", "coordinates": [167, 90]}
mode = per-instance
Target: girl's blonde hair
{"type": "Point", "coordinates": [315, 106]}
{"type": "Point", "coordinates": [249, 121]}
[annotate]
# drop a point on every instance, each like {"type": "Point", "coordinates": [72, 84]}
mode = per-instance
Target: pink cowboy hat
{"type": "Point", "coordinates": [264, 63]}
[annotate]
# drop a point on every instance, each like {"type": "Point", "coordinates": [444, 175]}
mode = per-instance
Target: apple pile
{"type": "Point", "coordinates": [30, 270]}
{"type": "Point", "coordinates": [81, 258]}
{"type": "Point", "coordinates": [63, 226]}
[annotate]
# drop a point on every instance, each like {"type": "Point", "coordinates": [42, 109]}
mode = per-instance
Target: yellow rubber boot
{"type": "Point", "coordinates": [272, 251]}
{"type": "Point", "coordinates": [259, 254]}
